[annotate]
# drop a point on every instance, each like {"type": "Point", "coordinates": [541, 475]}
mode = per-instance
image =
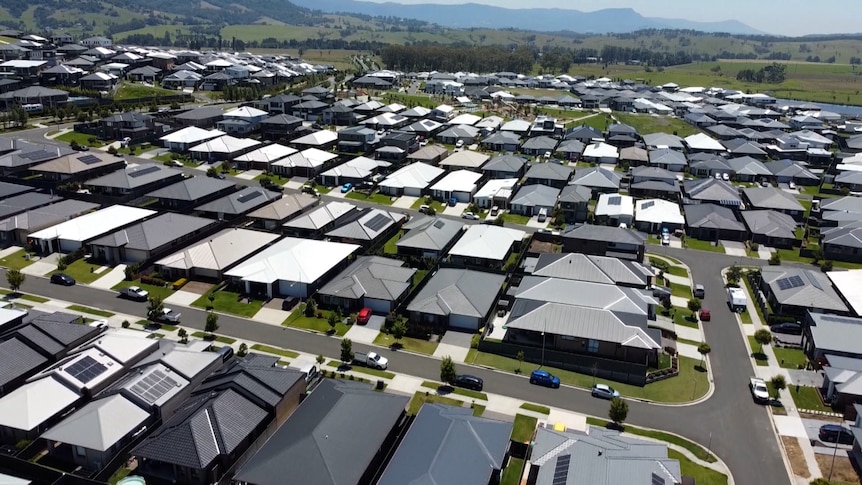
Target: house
{"type": "Point", "coordinates": [78, 166]}
{"type": "Point", "coordinates": [183, 79]}
{"type": "Point", "coordinates": [571, 150]}
{"type": "Point", "coordinates": [411, 180]}
{"type": "Point", "coordinates": [840, 387]}
{"type": "Point", "coordinates": [263, 157]}
{"type": "Point", "coordinates": [458, 299]}
{"type": "Point", "coordinates": [774, 199]}
{"type": "Point", "coordinates": [191, 191]}
{"type": "Point", "coordinates": [138, 127]}
{"type": "Point", "coordinates": [827, 336]}
{"type": "Point", "coordinates": [307, 163]}
{"type": "Point", "coordinates": [459, 133]}
{"type": "Point", "coordinates": [747, 169]}
{"type": "Point", "coordinates": [23, 154]}
{"type": "Point", "coordinates": [273, 215]}
{"type": "Point", "coordinates": [843, 243]}
{"type": "Point", "coordinates": [355, 171]}
{"type": "Point", "coordinates": [92, 42]}
{"type": "Point", "coordinates": [656, 182]}
{"type": "Point", "coordinates": [466, 119]}
{"type": "Point", "coordinates": [396, 145]}
{"type": "Point", "coordinates": [428, 237]}
{"type": "Point", "coordinates": [463, 449]}
{"type": "Point", "coordinates": [486, 245]}
{"type": "Point", "coordinates": [741, 147]}
{"type": "Point", "coordinates": [280, 126]}
{"type": "Point", "coordinates": [495, 192]}
{"type": "Point", "coordinates": [429, 154]}
{"type": "Point", "coordinates": [224, 147]}
{"type": "Point", "coordinates": [340, 435]}
{"type": "Point", "coordinates": [73, 234]}
{"type": "Point", "coordinates": [152, 238]}
{"type": "Point", "coordinates": [550, 174]}
{"type": "Point", "coordinates": [598, 179]}
{"type": "Point", "coordinates": [668, 159]}
{"type": "Point", "coordinates": [242, 121]}
{"type": "Point", "coordinates": [703, 143]}
{"type": "Point", "coordinates": [322, 140]}
{"type": "Point", "coordinates": [209, 259]}
{"type": "Point", "coordinates": [652, 215]}
{"type": "Point", "coordinates": [840, 211]}
{"type": "Point", "coordinates": [203, 117]}
{"type": "Point", "coordinates": [15, 230]}
{"type": "Point", "coordinates": [460, 185]}
{"type": "Point", "coordinates": [27, 70]}
{"type": "Point", "coordinates": [711, 191]}
{"type": "Point", "coordinates": [517, 127]}
{"type": "Point", "coordinates": [24, 202]}
{"type": "Point", "coordinates": [61, 75]}
{"type": "Point", "coordinates": [574, 203]}
{"type": "Point", "coordinates": [47, 97]}
{"type": "Point", "coordinates": [656, 141]}
{"type": "Point", "coordinates": [596, 269]}
{"type": "Point", "coordinates": [502, 141]}
{"type": "Point", "coordinates": [99, 81]}
{"type": "Point", "coordinates": [770, 228]}
{"type": "Point", "coordinates": [238, 203]}
{"type": "Point", "coordinates": [368, 227]}
{"type": "Point", "coordinates": [291, 267]}
{"type": "Point", "coordinates": [615, 210]}
{"type": "Point", "coordinates": [357, 139]}
{"type": "Point", "coordinates": [794, 291]}
{"type": "Point", "coordinates": [786, 171]}
{"type": "Point", "coordinates": [600, 152]}
{"type": "Point", "coordinates": [604, 241]}
{"type": "Point", "coordinates": [320, 220]}
{"type": "Point", "coordinates": [182, 140]}
{"type": "Point", "coordinates": [546, 125]}
{"type": "Point", "coordinates": [424, 129]}
{"type": "Point", "coordinates": [564, 457]}
{"type": "Point", "coordinates": [380, 284]}
{"type": "Point", "coordinates": [850, 179]}
{"type": "Point", "coordinates": [134, 181]}
{"type": "Point", "coordinates": [145, 74]}
{"type": "Point", "coordinates": [530, 200]}
{"type": "Point", "coordinates": [712, 222]}
{"type": "Point", "coordinates": [465, 160]}
{"type": "Point", "coordinates": [539, 145]}
{"type": "Point", "coordinates": [32, 408]}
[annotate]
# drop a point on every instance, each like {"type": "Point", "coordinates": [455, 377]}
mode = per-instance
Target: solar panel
{"type": "Point", "coordinates": [377, 222]}
{"type": "Point", "coordinates": [796, 281]}
{"type": "Point", "coordinates": [144, 171]}
{"type": "Point", "coordinates": [86, 369]}
{"type": "Point", "coordinates": [155, 385]}
{"type": "Point", "coordinates": [561, 470]}
{"type": "Point", "coordinates": [39, 155]}
{"type": "Point", "coordinates": [647, 205]}
{"type": "Point", "coordinates": [89, 159]}
{"type": "Point", "coordinates": [249, 196]}
{"type": "Point", "coordinates": [615, 200]}
{"type": "Point", "coordinates": [439, 224]}
{"type": "Point", "coordinates": [790, 282]}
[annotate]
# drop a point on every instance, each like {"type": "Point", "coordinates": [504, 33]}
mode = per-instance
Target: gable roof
{"type": "Point", "coordinates": [712, 216]}
{"type": "Point", "coordinates": [367, 225]}
{"type": "Point", "coordinates": [597, 177]}
{"type": "Point", "coordinates": [549, 171]}
{"type": "Point", "coordinates": [100, 424]}
{"type": "Point", "coordinates": [748, 166]}
{"type": "Point", "coordinates": [293, 259]}
{"type": "Point", "coordinates": [371, 277]}
{"type": "Point", "coordinates": [505, 163]}
{"type": "Point", "coordinates": [848, 236]}
{"type": "Point", "coordinates": [663, 140]}
{"type": "Point", "coordinates": [592, 232]}
{"type": "Point", "coordinates": [219, 252]}
{"type": "Point", "coordinates": [802, 287]}
{"type": "Point", "coordinates": [576, 194]}
{"type": "Point", "coordinates": [486, 241]}
{"type": "Point", "coordinates": [191, 189]}
{"type": "Point", "coordinates": [19, 359]}
{"type": "Point", "coordinates": [466, 159]}
{"type": "Point", "coordinates": [584, 267]}
{"type": "Point", "coordinates": [77, 162]}
{"type": "Point", "coordinates": [240, 202]}
{"type": "Point", "coordinates": [458, 291]}
{"type": "Point", "coordinates": [135, 176]}
{"type": "Point", "coordinates": [285, 207]}
{"type": "Point", "coordinates": [711, 189]}
{"type": "Point", "coordinates": [154, 233]}
{"type": "Point", "coordinates": [790, 168]}
{"type": "Point", "coordinates": [536, 196]}
{"type": "Point", "coordinates": [771, 198]}
{"type": "Point", "coordinates": [770, 223]}
{"type": "Point", "coordinates": [429, 233]}
{"type": "Point", "coordinates": [540, 143]}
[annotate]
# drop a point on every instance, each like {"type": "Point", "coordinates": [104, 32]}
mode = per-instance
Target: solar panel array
{"type": "Point", "coordinates": [86, 369]}
{"type": "Point", "coordinates": [561, 470]}
{"type": "Point", "coordinates": [378, 222]}
{"type": "Point", "coordinates": [249, 196]}
{"type": "Point", "coordinates": [647, 205]}
{"type": "Point", "coordinates": [615, 200]}
{"type": "Point", "coordinates": [790, 282]}
{"type": "Point", "coordinates": [155, 385]}
{"type": "Point", "coordinates": [144, 171]}
{"type": "Point", "coordinates": [439, 224]}
{"type": "Point", "coordinates": [39, 155]}
{"type": "Point", "coordinates": [89, 159]}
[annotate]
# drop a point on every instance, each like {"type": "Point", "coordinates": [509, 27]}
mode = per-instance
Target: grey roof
{"type": "Point", "coordinates": [850, 177]}
{"type": "Point", "coordinates": [749, 166]}
{"type": "Point", "coordinates": [711, 216]}
{"type": "Point", "coordinates": [246, 200]}
{"type": "Point", "coordinates": [459, 292]}
{"type": "Point", "coordinates": [154, 233]}
{"type": "Point", "coordinates": [281, 119]}
{"type": "Point", "coordinates": [255, 376]}
{"type": "Point", "coordinates": [636, 154]}
{"type": "Point", "coordinates": [549, 171]}
{"type": "Point", "coordinates": [571, 146]}
{"type": "Point", "coordinates": [448, 445]}
{"type": "Point", "coordinates": [712, 190]}
{"type": "Point", "coordinates": [656, 173]}
{"type": "Point", "coordinates": [847, 236]}
{"type": "Point", "coordinates": [371, 277]}
{"type": "Point", "coordinates": [332, 437]}
{"type": "Point", "coordinates": [47, 216]}
{"type": "Point", "coordinates": [770, 223]}
{"type": "Point", "coordinates": [505, 163]}
{"type": "Point", "coordinates": [711, 162]}
{"type": "Point", "coordinates": [842, 204]}
{"type": "Point", "coordinates": [205, 427]}
{"type": "Point", "coordinates": [429, 233]}
{"type": "Point", "coordinates": [591, 232]}
{"type": "Point", "coordinates": [540, 143]}
{"type": "Point", "coordinates": [666, 156]}
{"type": "Point", "coordinates": [741, 146]}
{"type": "Point", "coordinates": [832, 333]}
{"type": "Point", "coordinates": [191, 189]}
{"type": "Point", "coordinates": [790, 168]}
{"type": "Point", "coordinates": [502, 138]}
{"type": "Point", "coordinates": [803, 288]}
{"type": "Point", "coordinates": [202, 113]}
{"type": "Point", "coordinates": [366, 224]}
{"type": "Point", "coordinates": [601, 457]}
{"type": "Point", "coordinates": [136, 176]}
{"type": "Point", "coordinates": [26, 154]}
{"type": "Point", "coordinates": [285, 207]}
{"type": "Point", "coordinates": [596, 269]}
{"type": "Point", "coordinates": [771, 198]}
{"type": "Point", "coordinates": [597, 177]}
{"type": "Point", "coordinates": [583, 132]}
{"type": "Point", "coordinates": [19, 359]}
{"type": "Point", "coordinates": [100, 424]}
{"type": "Point", "coordinates": [536, 196]}
{"type": "Point", "coordinates": [576, 194]}
{"type": "Point", "coordinates": [26, 201]}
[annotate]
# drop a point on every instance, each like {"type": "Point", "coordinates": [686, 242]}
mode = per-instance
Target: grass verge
{"type": "Point", "coordinates": [229, 302]}
{"type": "Point", "coordinates": [760, 358]}
{"type": "Point", "coordinates": [218, 338]}
{"type": "Point", "coordinates": [91, 311]}
{"type": "Point", "coordinates": [407, 343]}
{"type": "Point", "coordinates": [276, 351]}
{"type": "Point", "coordinates": [695, 449]}
{"type": "Point", "coordinates": [362, 370]}
{"type": "Point", "coordinates": [701, 474]}
{"type": "Point", "coordinates": [536, 408]}
{"type": "Point", "coordinates": [455, 390]}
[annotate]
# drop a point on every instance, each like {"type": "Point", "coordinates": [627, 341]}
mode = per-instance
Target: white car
{"type": "Point", "coordinates": [423, 143]}
{"type": "Point", "coordinates": [459, 144]}
{"type": "Point", "coordinates": [725, 177]}
{"type": "Point", "coordinates": [792, 185]}
{"type": "Point", "coordinates": [169, 316]}
{"type": "Point", "coordinates": [470, 215]}
{"type": "Point", "coordinates": [176, 163]}
{"type": "Point", "coordinates": [604, 391]}
{"type": "Point", "coordinates": [135, 293]}
{"type": "Point", "coordinates": [102, 325]}
{"type": "Point", "coordinates": [665, 239]}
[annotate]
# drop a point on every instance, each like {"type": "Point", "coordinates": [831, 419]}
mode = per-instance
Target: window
{"type": "Point", "coordinates": [567, 337]}
{"type": "Point", "coordinates": [80, 451]}
{"type": "Point", "coordinates": [593, 346]}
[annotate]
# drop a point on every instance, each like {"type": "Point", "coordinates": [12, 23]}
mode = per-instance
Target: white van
{"type": "Point", "coordinates": [543, 215]}
{"type": "Point", "coordinates": [310, 369]}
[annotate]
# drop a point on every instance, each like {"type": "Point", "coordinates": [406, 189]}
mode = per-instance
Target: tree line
{"type": "Point", "coordinates": [457, 58]}
{"type": "Point", "coordinates": [774, 73]}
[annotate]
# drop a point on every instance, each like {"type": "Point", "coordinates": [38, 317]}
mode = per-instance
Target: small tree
{"type": "Point", "coordinates": [399, 330]}
{"type": "Point", "coordinates": [618, 411]}
{"type": "Point", "coordinates": [666, 304]}
{"type": "Point", "coordinates": [346, 350]}
{"type": "Point", "coordinates": [15, 278]}
{"type": "Point", "coordinates": [520, 358]}
{"type": "Point", "coordinates": [734, 274]}
{"type": "Point", "coordinates": [693, 306]}
{"type": "Point", "coordinates": [333, 321]}
{"type": "Point", "coordinates": [779, 383]}
{"type": "Point", "coordinates": [183, 335]}
{"type": "Point", "coordinates": [447, 370]}
{"type": "Point", "coordinates": [212, 322]}
{"type": "Point", "coordinates": [320, 359]}
{"type": "Point", "coordinates": [125, 324]}
{"type": "Point", "coordinates": [242, 351]}
{"type": "Point", "coordinates": [762, 337]}
{"type": "Point", "coordinates": [310, 308]}
{"type": "Point", "coordinates": [156, 308]}
{"type": "Point", "coordinates": [775, 259]}
{"type": "Point", "coordinates": [703, 349]}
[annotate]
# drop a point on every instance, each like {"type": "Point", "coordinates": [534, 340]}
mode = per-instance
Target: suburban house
{"type": "Point", "coordinates": [16, 229]}
{"type": "Point", "coordinates": [648, 182]}
{"type": "Point", "coordinates": [458, 299]}
{"type": "Point", "coordinates": [670, 160]}
{"type": "Point", "coordinates": [465, 160]}
{"type": "Point", "coordinates": [505, 167]}
{"type": "Point", "coordinates": [242, 121]}
{"type": "Point", "coordinates": [747, 169]}
{"type": "Point", "coordinates": [428, 237]}
{"type": "Point", "coordinates": [18, 204]}
{"type": "Point", "coordinates": [355, 171]}
{"type": "Point", "coordinates": [794, 291]}
{"type": "Point", "coordinates": [224, 147]}
{"type": "Point", "coordinates": [653, 215]}
{"type": "Point", "coordinates": [209, 259]}
{"type": "Point", "coordinates": [486, 245]}
{"type": "Point", "coordinates": [280, 126]}
{"type": "Point", "coordinates": [825, 336]}
{"type": "Point", "coordinates": [615, 210]}
{"type": "Point", "coordinates": [539, 145]}
{"type": "Point", "coordinates": [841, 387]}
{"type": "Point", "coordinates": [192, 191]}
{"type": "Point", "coordinates": [575, 202]}
{"type": "Point", "coordinates": [772, 198]}
{"type": "Point", "coordinates": [72, 234]}
{"type": "Point", "coordinates": [598, 179]}
{"type": "Point", "coordinates": [600, 152]}
{"type": "Point", "coordinates": [320, 220]}
{"type": "Point", "coordinates": [291, 267]}
{"type": "Point", "coordinates": [78, 166]}
{"type": "Point", "coordinates": [572, 150]}
{"type": "Point", "coordinates": [550, 174]}
{"type": "Point", "coordinates": [595, 269]}
{"type": "Point", "coordinates": [263, 157]}
{"type": "Point", "coordinates": [134, 181]}
{"type": "Point", "coordinates": [604, 241]}
{"type": "Point", "coordinates": [843, 243]}
{"type": "Point", "coordinates": [770, 228]}
{"type": "Point", "coordinates": [655, 141]}
{"type": "Point", "coordinates": [203, 117]}
{"type": "Point", "coordinates": [357, 139]}
{"type": "Point", "coordinates": [411, 180]}
{"type": "Point", "coordinates": [273, 215]}
{"type": "Point", "coordinates": [371, 281]}
{"type": "Point", "coordinates": [502, 141]}
{"type": "Point", "coordinates": [238, 203]}
{"type": "Point", "coordinates": [530, 200]}
{"type": "Point", "coordinates": [429, 154]}
{"type": "Point", "coordinates": [460, 185]}
{"type": "Point", "coordinates": [367, 227]}
{"type": "Point", "coordinates": [459, 133]}
{"type": "Point", "coordinates": [711, 222]}
{"type": "Point", "coordinates": [307, 163]}
{"type": "Point", "coordinates": [24, 154]}
{"type": "Point", "coordinates": [786, 171]}
{"type": "Point", "coordinates": [711, 190]}
{"type": "Point", "coordinates": [708, 166]}
{"type": "Point", "coordinates": [149, 239]}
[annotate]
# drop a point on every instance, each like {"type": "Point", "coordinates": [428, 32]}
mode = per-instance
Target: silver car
{"type": "Point", "coordinates": [604, 391]}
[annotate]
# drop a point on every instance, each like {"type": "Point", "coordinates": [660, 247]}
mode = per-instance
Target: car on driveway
{"type": "Point", "coordinates": [835, 433]}
{"type": "Point", "coordinates": [346, 188]}
{"type": "Point", "coordinates": [665, 239]}
{"type": "Point", "coordinates": [62, 279]}
{"type": "Point", "coordinates": [453, 202]}
{"type": "Point", "coordinates": [135, 293]}
{"type": "Point", "coordinates": [788, 328]}
{"type": "Point", "coordinates": [604, 391]}
{"type": "Point", "coordinates": [469, 382]}
{"type": "Point", "coordinates": [470, 216]}
{"type": "Point", "coordinates": [363, 316]}
{"type": "Point", "coordinates": [544, 378]}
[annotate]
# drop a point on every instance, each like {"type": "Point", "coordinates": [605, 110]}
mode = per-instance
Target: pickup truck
{"type": "Point", "coordinates": [759, 391]}
{"type": "Point", "coordinates": [371, 359]}
{"type": "Point", "coordinates": [168, 316]}
{"type": "Point", "coordinates": [134, 293]}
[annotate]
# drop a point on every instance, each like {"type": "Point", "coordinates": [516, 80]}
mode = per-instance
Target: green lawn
{"type": "Point", "coordinates": [681, 291]}
{"type": "Point", "coordinates": [701, 474]}
{"type": "Point", "coordinates": [229, 302]}
{"type": "Point", "coordinates": [297, 319]}
{"type": "Point", "coordinates": [513, 472]}
{"type": "Point", "coordinates": [478, 409]}
{"type": "Point", "coordinates": [274, 350]}
{"type": "Point", "coordinates": [515, 218]}
{"type": "Point", "coordinates": [645, 123]}
{"type": "Point", "coordinates": [757, 354]}
{"type": "Point", "coordinates": [677, 271]}
{"type": "Point", "coordinates": [808, 398]}
{"type": "Point", "coordinates": [154, 291]}
{"type": "Point", "coordinates": [83, 272]}
{"type": "Point", "coordinates": [790, 358]}
{"type": "Point", "coordinates": [16, 260]}
{"type": "Point", "coordinates": [693, 243]}
{"type": "Point", "coordinates": [407, 343]}
{"type": "Point", "coordinates": [376, 197]}
{"type": "Point", "coordinates": [218, 338]}
{"type": "Point", "coordinates": [389, 247]}
{"type": "Point", "coordinates": [456, 390]}
{"type": "Point", "coordinates": [434, 204]}
{"type": "Point", "coordinates": [83, 139]}
{"type": "Point", "coordinates": [536, 408]}
{"type": "Point", "coordinates": [672, 260]}
{"type": "Point", "coordinates": [33, 298]}
{"type": "Point", "coordinates": [695, 449]}
{"type": "Point", "coordinates": [91, 311]}
{"type": "Point", "coordinates": [689, 385]}
{"type": "Point", "coordinates": [523, 428]}
{"type": "Point", "coordinates": [139, 149]}
{"type": "Point", "coordinates": [682, 316]}
{"type": "Point", "coordinates": [421, 398]}
{"type": "Point", "coordinates": [274, 178]}
{"type": "Point", "coordinates": [134, 91]}
{"type": "Point", "coordinates": [745, 317]}
{"type": "Point", "coordinates": [362, 370]}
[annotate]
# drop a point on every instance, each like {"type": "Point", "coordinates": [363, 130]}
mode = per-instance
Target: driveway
{"type": "Point", "coordinates": [405, 202]}
{"type": "Point", "coordinates": [812, 429]}
{"type": "Point", "coordinates": [734, 248]}
{"type": "Point", "coordinates": [455, 210]}
{"type": "Point", "coordinates": [534, 222]}
{"type": "Point", "coordinates": [366, 333]}
{"type": "Point", "coordinates": [455, 345]}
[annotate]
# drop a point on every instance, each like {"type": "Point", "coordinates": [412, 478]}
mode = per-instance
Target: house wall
{"type": "Point", "coordinates": [842, 253]}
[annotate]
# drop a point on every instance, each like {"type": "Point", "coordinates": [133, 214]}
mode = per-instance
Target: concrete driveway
{"type": "Point", "coordinates": [405, 202]}
{"type": "Point", "coordinates": [734, 248]}
{"type": "Point", "coordinates": [455, 210]}
{"type": "Point", "coordinates": [534, 222]}
{"type": "Point", "coordinates": [455, 345]}
{"type": "Point", "coordinates": [366, 333]}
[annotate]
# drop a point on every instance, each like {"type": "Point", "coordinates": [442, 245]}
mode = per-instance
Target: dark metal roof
{"type": "Point", "coordinates": [18, 360]}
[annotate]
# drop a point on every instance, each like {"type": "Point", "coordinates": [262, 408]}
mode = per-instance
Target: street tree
{"type": "Point", "coordinates": [734, 274]}
{"type": "Point", "coordinates": [694, 305]}
{"type": "Point", "coordinates": [242, 351]}
{"type": "Point", "coordinates": [763, 337]}
{"type": "Point", "coordinates": [156, 308]}
{"type": "Point", "coordinates": [15, 278]}
{"type": "Point", "coordinates": [399, 330]}
{"type": "Point", "coordinates": [211, 324]}
{"type": "Point", "coordinates": [447, 370]}
{"type": "Point", "coordinates": [346, 350]}
{"type": "Point", "coordinates": [183, 335]}
{"type": "Point", "coordinates": [703, 349]}
{"type": "Point", "coordinates": [779, 383]}
{"type": "Point", "coordinates": [618, 411]}
{"type": "Point", "coordinates": [320, 359]}
{"type": "Point", "coordinates": [520, 358]}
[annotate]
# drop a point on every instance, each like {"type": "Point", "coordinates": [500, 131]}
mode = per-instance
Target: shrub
{"type": "Point", "coordinates": [826, 266]}
{"type": "Point", "coordinates": [180, 283]}
{"type": "Point", "coordinates": [61, 266]}
{"type": "Point", "coordinates": [754, 246]}
{"type": "Point", "coordinates": [775, 259]}
{"type": "Point", "coordinates": [112, 150]}
{"type": "Point", "coordinates": [474, 341]}
{"type": "Point", "coordinates": [319, 314]}
{"type": "Point", "coordinates": [148, 280]}
{"type": "Point", "coordinates": [126, 324]}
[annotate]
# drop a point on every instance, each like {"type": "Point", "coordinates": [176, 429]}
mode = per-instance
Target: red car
{"type": "Point", "coordinates": [704, 315]}
{"type": "Point", "coordinates": [363, 316]}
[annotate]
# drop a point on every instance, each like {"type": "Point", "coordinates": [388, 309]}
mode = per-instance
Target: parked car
{"type": "Point", "coordinates": [453, 201]}
{"type": "Point", "coordinates": [495, 210]}
{"type": "Point", "coordinates": [424, 209]}
{"type": "Point", "coordinates": [307, 189]}
{"type": "Point", "coordinates": [717, 176]}
{"type": "Point", "coordinates": [544, 378]}
{"type": "Point", "coordinates": [459, 143]}
{"type": "Point", "coordinates": [176, 163]}
{"type": "Point", "coordinates": [792, 185]}
{"type": "Point", "coordinates": [699, 291]}
{"type": "Point", "coordinates": [135, 293]}
{"type": "Point", "coordinates": [665, 239]}
{"type": "Point", "coordinates": [423, 143]}
{"type": "Point", "coordinates": [758, 389]}
{"type": "Point", "coordinates": [470, 215]}
{"type": "Point", "coordinates": [789, 328]}
{"type": "Point", "coordinates": [835, 433]}
{"type": "Point", "coordinates": [371, 359]}
{"type": "Point", "coordinates": [764, 183]}
{"type": "Point", "coordinates": [725, 177]}
{"type": "Point", "coordinates": [469, 382]}
{"type": "Point", "coordinates": [363, 316]}
{"type": "Point", "coordinates": [168, 316]}
{"type": "Point", "coordinates": [102, 325]}
{"type": "Point", "coordinates": [604, 391]}
{"type": "Point", "coordinates": [705, 316]}
{"type": "Point", "coordinates": [289, 302]}
{"type": "Point", "coordinates": [62, 279]}
{"type": "Point", "coordinates": [346, 188]}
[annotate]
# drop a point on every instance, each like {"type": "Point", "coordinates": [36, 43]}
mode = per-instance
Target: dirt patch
{"type": "Point", "coordinates": [795, 456]}
{"type": "Point", "coordinates": [198, 287]}
{"type": "Point", "coordinates": [543, 247]}
{"type": "Point", "coordinates": [831, 419]}
{"type": "Point", "coordinates": [843, 470]}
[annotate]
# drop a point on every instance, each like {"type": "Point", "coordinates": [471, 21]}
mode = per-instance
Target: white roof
{"type": "Point", "coordinates": [245, 112]}
{"type": "Point", "coordinates": [502, 188]}
{"type": "Point", "coordinates": [487, 242]}
{"type": "Point", "coordinates": [321, 216]}
{"type": "Point", "coordinates": [23, 64]}
{"type": "Point", "coordinates": [416, 175]}
{"type": "Point", "coordinates": [622, 205]}
{"type": "Point", "coordinates": [465, 119]}
{"type": "Point", "coordinates": [124, 345]}
{"type": "Point", "coordinates": [444, 108]}
{"type": "Point", "coordinates": [191, 134]}
{"type": "Point", "coordinates": [100, 424]}
{"type": "Point", "coordinates": [702, 141]}
{"type": "Point", "coordinates": [219, 251]}
{"type": "Point", "coordinates": [88, 226]}
{"type": "Point", "coordinates": [225, 144]}
{"type": "Point", "coordinates": [659, 211]}
{"type": "Point", "coordinates": [33, 403]}
{"type": "Point", "coordinates": [601, 150]}
{"type": "Point", "coordinates": [359, 167]}
{"type": "Point", "coordinates": [293, 259]}
{"type": "Point", "coordinates": [849, 285]}
{"type": "Point", "coordinates": [309, 158]}
{"type": "Point", "coordinates": [10, 480]}
{"type": "Point", "coordinates": [458, 181]}
{"type": "Point", "coordinates": [386, 119]}
{"type": "Point", "coordinates": [321, 137]}
{"type": "Point", "coordinates": [465, 158]}
{"type": "Point", "coordinates": [219, 63]}
{"type": "Point", "coordinates": [516, 125]}
{"type": "Point", "coordinates": [266, 153]}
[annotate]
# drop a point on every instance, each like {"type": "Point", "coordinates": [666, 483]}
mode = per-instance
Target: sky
{"type": "Point", "coordinates": [780, 17]}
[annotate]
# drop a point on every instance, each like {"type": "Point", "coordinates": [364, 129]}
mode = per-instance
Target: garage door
{"type": "Point", "coordinates": [462, 322]}
{"type": "Point", "coordinates": [462, 196]}
{"type": "Point", "coordinates": [380, 307]}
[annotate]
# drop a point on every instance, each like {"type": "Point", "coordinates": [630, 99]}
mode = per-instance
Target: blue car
{"type": "Point", "coordinates": [453, 201]}
{"type": "Point", "coordinates": [544, 378]}
{"type": "Point", "coordinates": [346, 187]}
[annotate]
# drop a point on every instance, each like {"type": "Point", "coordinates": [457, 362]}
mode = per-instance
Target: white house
{"type": "Point", "coordinates": [410, 180]}
{"type": "Point", "coordinates": [651, 215]}
{"type": "Point", "coordinates": [495, 192]}
{"type": "Point", "coordinates": [460, 184]}
{"type": "Point", "coordinates": [486, 243]}
{"type": "Point", "coordinates": [182, 140]}
{"type": "Point", "coordinates": [615, 209]}
{"type": "Point", "coordinates": [601, 152]}
{"type": "Point", "coordinates": [72, 234]}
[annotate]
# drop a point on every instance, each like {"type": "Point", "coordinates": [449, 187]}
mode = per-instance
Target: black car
{"type": "Point", "coordinates": [468, 382]}
{"type": "Point", "coordinates": [62, 279]}
{"type": "Point", "coordinates": [834, 433]}
{"type": "Point", "coordinates": [789, 328]}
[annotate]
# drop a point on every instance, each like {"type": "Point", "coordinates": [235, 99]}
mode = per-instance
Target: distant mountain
{"type": "Point", "coordinates": [618, 20]}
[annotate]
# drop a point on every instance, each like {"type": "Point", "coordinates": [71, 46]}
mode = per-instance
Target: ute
{"type": "Point", "coordinates": [759, 391]}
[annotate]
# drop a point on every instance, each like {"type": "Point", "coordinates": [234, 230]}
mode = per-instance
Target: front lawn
{"type": "Point", "coordinates": [760, 358]}
{"type": "Point", "coordinates": [376, 197]}
{"type": "Point", "coordinates": [701, 474]}
{"type": "Point", "coordinates": [693, 243]}
{"type": "Point", "coordinates": [274, 178]}
{"type": "Point", "coordinates": [16, 260]}
{"type": "Point", "coordinates": [139, 149]}
{"type": "Point", "coordinates": [91, 311]}
{"type": "Point", "coordinates": [808, 398]}
{"type": "Point", "coordinates": [681, 316]}
{"type": "Point", "coordinates": [421, 398]}
{"type": "Point", "coordinates": [681, 291]}
{"type": "Point", "coordinates": [523, 428]}
{"type": "Point", "coordinates": [536, 408]}
{"type": "Point", "coordinates": [297, 319]}
{"type": "Point", "coordinates": [434, 204]}
{"type": "Point", "coordinates": [83, 272]}
{"type": "Point", "coordinates": [276, 351]}
{"type": "Point", "coordinates": [83, 139]}
{"type": "Point", "coordinates": [154, 291]}
{"type": "Point", "coordinates": [229, 302]}
{"type": "Point", "coordinates": [361, 369]}
{"type": "Point", "coordinates": [677, 271]}
{"type": "Point", "coordinates": [515, 218]}
{"type": "Point", "coordinates": [790, 358]}
{"type": "Point", "coordinates": [513, 472]}
{"type": "Point", "coordinates": [407, 343]}
{"type": "Point", "coordinates": [208, 336]}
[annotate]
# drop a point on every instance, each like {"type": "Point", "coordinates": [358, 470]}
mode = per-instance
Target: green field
{"type": "Point", "coordinates": [134, 91]}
